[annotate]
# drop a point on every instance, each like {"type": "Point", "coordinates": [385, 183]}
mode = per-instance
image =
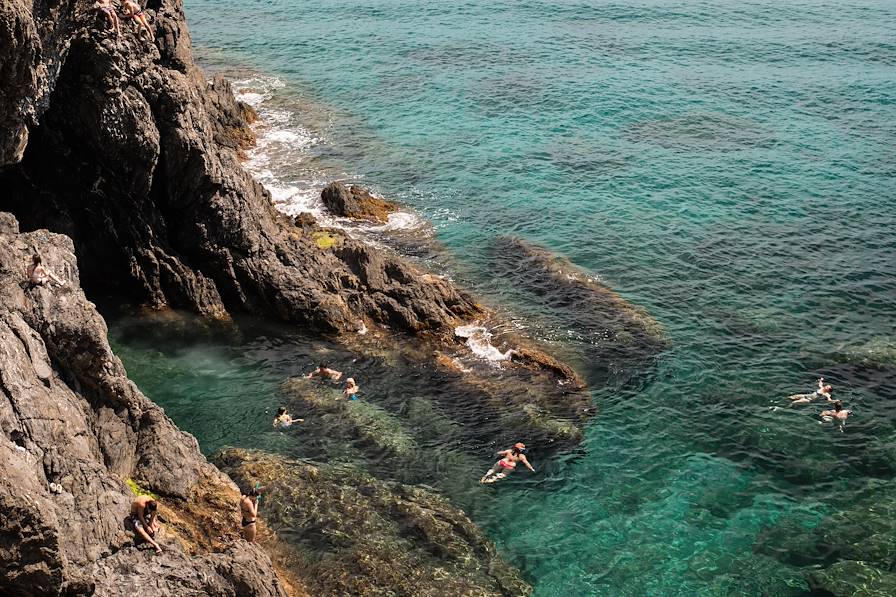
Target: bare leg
{"type": "Point", "coordinates": [249, 532]}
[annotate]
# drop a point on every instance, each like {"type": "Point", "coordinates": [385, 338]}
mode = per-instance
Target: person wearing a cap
{"type": "Point", "coordinates": [508, 461]}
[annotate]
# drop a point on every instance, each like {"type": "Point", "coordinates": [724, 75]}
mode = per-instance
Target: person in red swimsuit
{"type": "Point", "coordinates": [508, 461]}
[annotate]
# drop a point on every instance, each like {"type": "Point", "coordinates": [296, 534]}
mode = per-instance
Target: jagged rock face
{"type": "Point", "coordinates": [353, 535]}
{"type": "Point", "coordinates": [135, 156]}
{"type": "Point", "coordinates": [70, 416]}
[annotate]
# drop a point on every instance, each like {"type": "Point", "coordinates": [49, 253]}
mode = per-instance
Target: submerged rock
{"type": "Point", "coordinates": [613, 328]}
{"type": "Point", "coordinates": [350, 534]}
{"type": "Point", "coordinates": [70, 417]}
{"type": "Point", "coordinates": [355, 202]}
{"type": "Point", "coordinates": [357, 419]}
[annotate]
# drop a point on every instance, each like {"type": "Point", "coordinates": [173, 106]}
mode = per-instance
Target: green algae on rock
{"type": "Point", "coordinates": [353, 535]}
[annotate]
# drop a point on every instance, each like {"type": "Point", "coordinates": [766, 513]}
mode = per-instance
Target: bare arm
{"type": "Point", "coordinates": [503, 452]}
{"type": "Point", "coordinates": [526, 462]}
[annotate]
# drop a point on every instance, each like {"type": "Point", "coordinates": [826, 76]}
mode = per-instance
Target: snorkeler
{"type": "Point", "coordinates": [351, 389]}
{"type": "Point", "coordinates": [283, 420]}
{"type": "Point", "coordinates": [325, 371]}
{"type": "Point", "coordinates": [822, 391]}
{"type": "Point", "coordinates": [507, 463]}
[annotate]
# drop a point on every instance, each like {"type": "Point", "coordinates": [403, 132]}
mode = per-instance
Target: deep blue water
{"type": "Point", "coordinates": [727, 165]}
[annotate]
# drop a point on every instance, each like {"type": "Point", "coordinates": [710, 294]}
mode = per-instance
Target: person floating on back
{"type": "Point", "coordinates": [283, 420]}
{"type": "Point", "coordinates": [351, 389]}
{"type": "Point", "coordinates": [145, 519]}
{"type": "Point", "coordinates": [823, 391]}
{"type": "Point", "coordinates": [324, 371]}
{"type": "Point", "coordinates": [105, 7]}
{"type": "Point", "coordinates": [249, 511]}
{"type": "Point", "coordinates": [507, 463]}
{"type": "Point", "coordinates": [38, 275]}
{"type": "Point", "coordinates": [133, 10]}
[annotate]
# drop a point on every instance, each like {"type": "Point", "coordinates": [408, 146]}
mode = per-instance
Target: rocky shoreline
{"type": "Point", "coordinates": [120, 162]}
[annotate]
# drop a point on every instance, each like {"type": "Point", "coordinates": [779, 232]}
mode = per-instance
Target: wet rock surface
{"type": "Point", "coordinates": [350, 534]}
{"type": "Point", "coordinates": [356, 202]}
{"type": "Point", "coordinates": [70, 417]}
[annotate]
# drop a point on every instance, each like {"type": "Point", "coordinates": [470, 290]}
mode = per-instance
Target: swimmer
{"type": "Point", "coordinates": [133, 10]}
{"type": "Point", "coordinates": [283, 420]}
{"type": "Point", "coordinates": [145, 519]}
{"type": "Point", "coordinates": [325, 371]}
{"type": "Point", "coordinates": [105, 6]}
{"type": "Point", "coordinates": [351, 389]}
{"type": "Point", "coordinates": [249, 511]}
{"type": "Point", "coordinates": [823, 391]}
{"type": "Point", "coordinates": [507, 463]}
{"type": "Point", "coordinates": [838, 413]}
{"type": "Point", "coordinates": [38, 275]}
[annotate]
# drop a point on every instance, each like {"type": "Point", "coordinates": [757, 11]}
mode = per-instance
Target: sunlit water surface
{"type": "Point", "coordinates": [729, 166]}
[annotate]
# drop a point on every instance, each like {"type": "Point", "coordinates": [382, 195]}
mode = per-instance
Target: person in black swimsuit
{"type": "Point", "coordinates": [249, 510]}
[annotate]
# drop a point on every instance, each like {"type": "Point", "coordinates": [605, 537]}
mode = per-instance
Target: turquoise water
{"type": "Point", "coordinates": [729, 166]}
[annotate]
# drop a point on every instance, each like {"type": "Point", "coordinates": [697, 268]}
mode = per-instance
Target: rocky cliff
{"type": "Point", "coordinates": [75, 433]}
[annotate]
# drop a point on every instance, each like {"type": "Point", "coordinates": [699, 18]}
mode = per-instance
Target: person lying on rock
{"type": "Point", "coordinates": [283, 420]}
{"type": "Point", "coordinates": [507, 463]}
{"type": "Point", "coordinates": [133, 10]}
{"type": "Point", "coordinates": [249, 511]}
{"type": "Point", "coordinates": [38, 275]}
{"type": "Point", "coordinates": [351, 389]}
{"type": "Point", "coordinates": [145, 519]}
{"type": "Point", "coordinates": [324, 371]}
{"type": "Point", "coordinates": [823, 391]}
{"type": "Point", "coordinates": [105, 7]}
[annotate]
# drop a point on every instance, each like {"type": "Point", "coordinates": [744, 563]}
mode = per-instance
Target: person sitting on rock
{"type": "Point", "coordinates": [351, 389]}
{"type": "Point", "coordinates": [507, 463]}
{"type": "Point", "coordinates": [249, 510]}
{"type": "Point", "coordinates": [38, 275]}
{"type": "Point", "coordinates": [324, 371]}
{"type": "Point", "coordinates": [145, 519]}
{"type": "Point", "coordinates": [105, 7]}
{"type": "Point", "coordinates": [133, 10]}
{"type": "Point", "coordinates": [283, 420]}
{"type": "Point", "coordinates": [823, 391]}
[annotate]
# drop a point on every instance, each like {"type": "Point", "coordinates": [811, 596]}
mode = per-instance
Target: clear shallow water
{"type": "Point", "coordinates": [728, 166]}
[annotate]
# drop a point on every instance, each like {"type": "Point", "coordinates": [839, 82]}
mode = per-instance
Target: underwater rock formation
{"type": "Point", "coordinates": [349, 534]}
{"type": "Point", "coordinates": [70, 416]}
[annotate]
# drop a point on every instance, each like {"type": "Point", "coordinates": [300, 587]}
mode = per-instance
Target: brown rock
{"type": "Point", "coordinates": [355, 202]}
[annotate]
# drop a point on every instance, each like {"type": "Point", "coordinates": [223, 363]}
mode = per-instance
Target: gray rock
{"type": "Point", "coordinates": [69, 416]}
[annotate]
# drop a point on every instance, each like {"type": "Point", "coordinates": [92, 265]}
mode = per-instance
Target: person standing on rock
{"type": "Point", "coordinates": [145, 519]}
{"type": "Point", "coordinates": [324, 371]}
{"type": "Point", "coordinates": [507, 463]}
{"type": "Point", "coordinates": [249, 510]}
{"type": "Point", "coordinates": [133, 10]}
{"type": "Point", "coordinates": [105, 6]}
{"type": "Point", "coordinates": [38, 275]}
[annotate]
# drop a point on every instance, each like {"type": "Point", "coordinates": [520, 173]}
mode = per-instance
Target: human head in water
{"type": "Point", "coordinates": [838, 406]}
{"type": "Point", "coordinates": [281, 411]}
{"type": "Point", "coordinates": [519, 448]}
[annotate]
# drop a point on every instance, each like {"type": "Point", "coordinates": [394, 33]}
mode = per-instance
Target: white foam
{"type": "Point", "coordinates": [479, 342]}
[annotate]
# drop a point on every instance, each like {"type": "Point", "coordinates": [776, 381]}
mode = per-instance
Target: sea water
{"type": "Point", "coordinates": [727, 165]}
